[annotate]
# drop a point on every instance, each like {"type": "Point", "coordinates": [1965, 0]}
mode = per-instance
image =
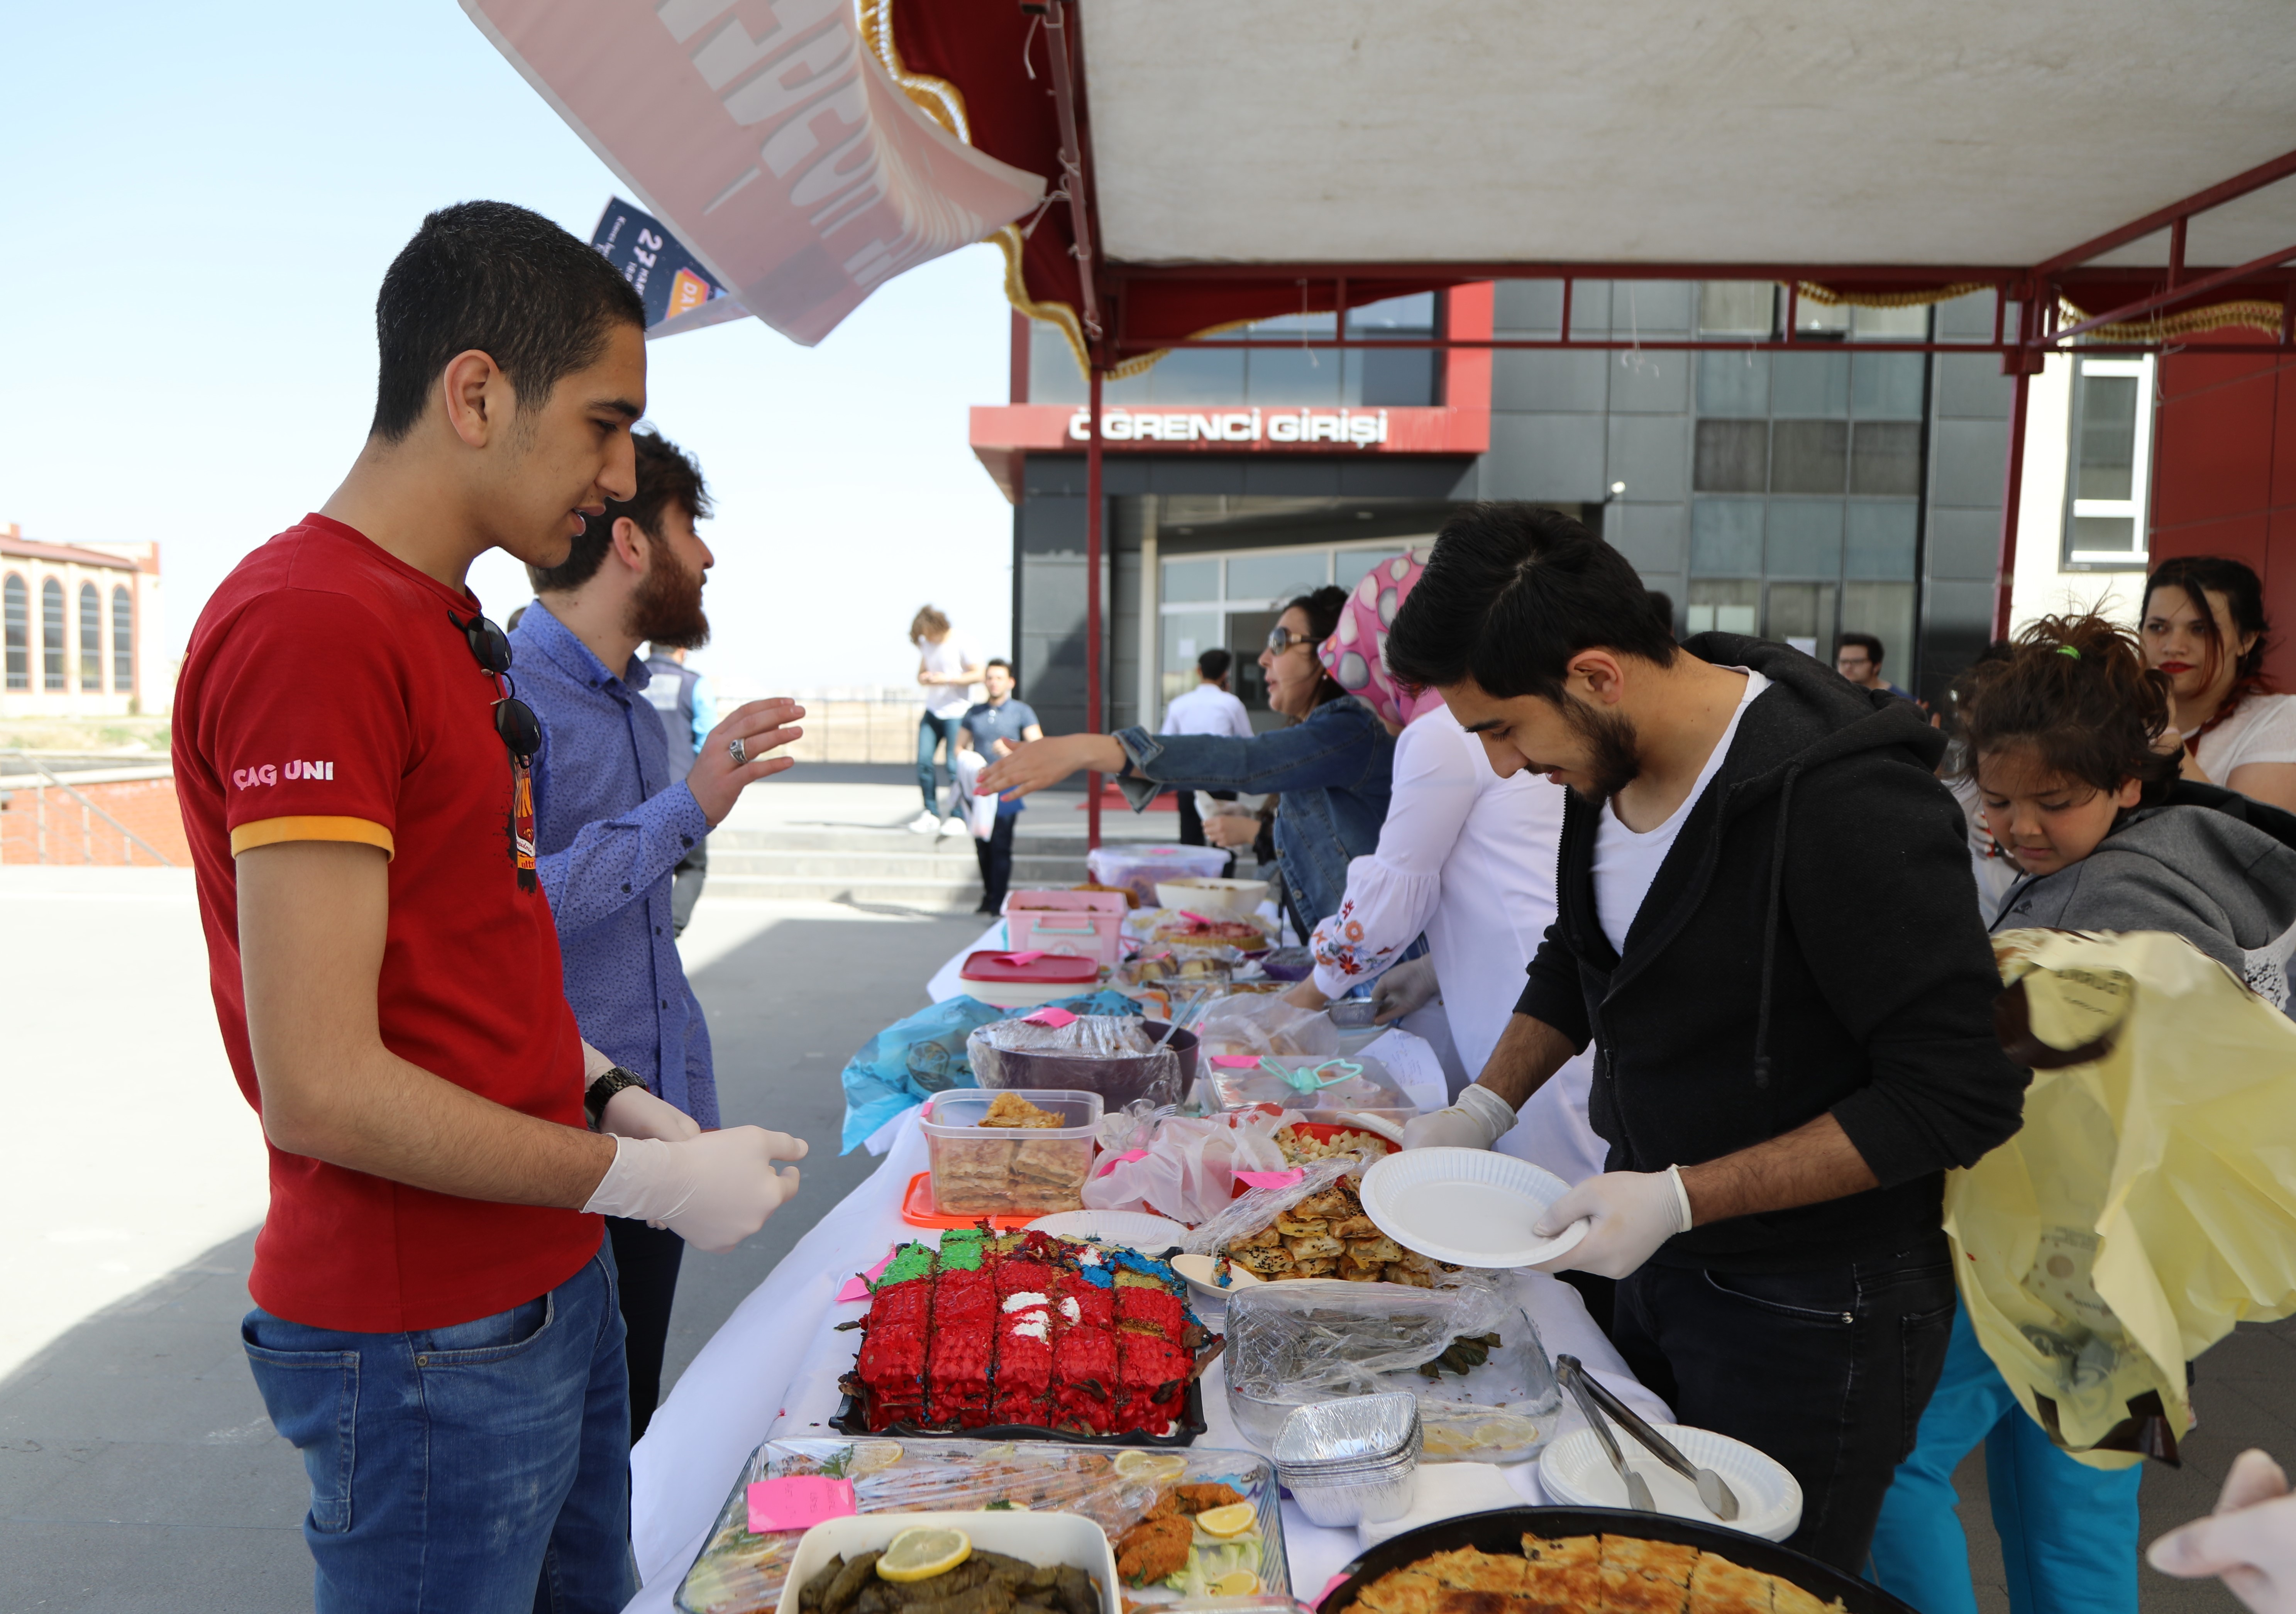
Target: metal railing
{"type": "Point", "coordinates": [89, 812]}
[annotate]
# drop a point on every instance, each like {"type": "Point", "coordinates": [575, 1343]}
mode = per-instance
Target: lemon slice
{"type": "Point", "coordinates": [1235, 1583]}
{"type": "Point", "coordinates": [1233, 1519]}
{"type": "Point", "coordinates": [923, 1552]}
{"type": "Point", "coordinates": [872, 1457]}
{"type": "Point", "coordinates": [1152, 1468]}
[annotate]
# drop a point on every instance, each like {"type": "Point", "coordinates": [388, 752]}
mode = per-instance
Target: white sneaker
{"type": "Point", "coordinates": [951, 828]}
{"type": "Point", "coordinates": [925, 823]}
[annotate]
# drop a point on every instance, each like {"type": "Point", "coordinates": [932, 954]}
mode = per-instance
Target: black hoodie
{"type": "Point", "coordinates": [1811, 945]}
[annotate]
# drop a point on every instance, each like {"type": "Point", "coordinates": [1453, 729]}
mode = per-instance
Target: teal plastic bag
{"type": "Point", "coordinates": [913, 1058]}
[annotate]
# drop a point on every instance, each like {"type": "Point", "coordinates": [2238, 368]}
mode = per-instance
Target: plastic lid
{"type": "Point", "coordinates": [1040, 968]}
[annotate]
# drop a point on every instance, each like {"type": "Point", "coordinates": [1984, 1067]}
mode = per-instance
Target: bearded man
{"type": "Point", "coordinates": [612, 820]}
{"type": "Point", "coordinates": [1766, 925]}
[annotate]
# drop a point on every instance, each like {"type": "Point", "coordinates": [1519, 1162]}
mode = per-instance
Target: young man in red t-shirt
{"type": "Point", "coordinates": [436, 1327]}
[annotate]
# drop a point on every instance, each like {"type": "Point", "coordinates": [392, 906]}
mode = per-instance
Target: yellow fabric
{"type": "Point", "coordinates": [269, 831]}
{"type": "Point", "coordinates": [2149, 1203]}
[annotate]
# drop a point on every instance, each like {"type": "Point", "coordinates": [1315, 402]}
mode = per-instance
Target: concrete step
{"type": "Point", "coordinates": [926, 869]}
{"type": "Point", "coordinates": [943, 897]}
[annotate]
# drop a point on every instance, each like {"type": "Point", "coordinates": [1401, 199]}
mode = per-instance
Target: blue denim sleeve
{"type": "Point", "coordinates": [1333, 751]}
{"type": "Point", "coordinates": [611, 864]}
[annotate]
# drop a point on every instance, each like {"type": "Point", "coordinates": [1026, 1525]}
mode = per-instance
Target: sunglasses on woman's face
{"type": "Point", "coordinates": [1281, 639]}
{"type": "Point", "coordinates": [514, 719]}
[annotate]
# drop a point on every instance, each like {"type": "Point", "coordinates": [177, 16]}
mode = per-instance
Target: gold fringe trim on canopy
{"type": "Point", "coordinates": [944, 104]}
{"type": "Point", "coordinates": [1827, 297]}
{"type": "Point", "coordinates": [2254, 315]}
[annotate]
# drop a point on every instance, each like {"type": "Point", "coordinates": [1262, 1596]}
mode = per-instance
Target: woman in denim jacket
{"type": "Point", "coordinates": [1331, 765]}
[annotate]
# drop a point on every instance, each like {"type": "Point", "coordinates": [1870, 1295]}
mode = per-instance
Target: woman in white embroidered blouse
{"type": "Point", "coordinates": [1468, 858]}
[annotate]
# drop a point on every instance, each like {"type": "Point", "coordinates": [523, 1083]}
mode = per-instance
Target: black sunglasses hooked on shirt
{"type": "Point", "coordinates": [514, 719]}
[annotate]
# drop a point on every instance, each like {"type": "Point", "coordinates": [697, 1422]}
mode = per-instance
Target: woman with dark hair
{"type": "Point", "coordinates": [1332, 765]}
{"type": "Point", "coordinates": [2062, 739]}
{"type": "Point", "coordinates": [2204, 628]}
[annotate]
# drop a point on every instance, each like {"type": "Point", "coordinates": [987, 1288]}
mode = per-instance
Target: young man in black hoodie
{"type": "Point", "coordinates": [1766, 926]}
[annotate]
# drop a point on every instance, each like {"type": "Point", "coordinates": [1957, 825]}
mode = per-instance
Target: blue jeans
{"type": "Point", "coordinates": [2068, 1531]}
{"type": "Point", "coordinates": [480, 1468]}
{"type": "Point", "coordinates": [932, 734]}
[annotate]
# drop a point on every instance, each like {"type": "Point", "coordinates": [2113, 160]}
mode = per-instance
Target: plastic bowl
{"type": "Point", "coordinates": [1213, 896]}
{"type": "Point", "coordinates": [1118, 1080]}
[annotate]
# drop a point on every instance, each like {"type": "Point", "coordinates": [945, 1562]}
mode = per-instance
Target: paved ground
{"type": "Point", "coordinates": [137, 1470]}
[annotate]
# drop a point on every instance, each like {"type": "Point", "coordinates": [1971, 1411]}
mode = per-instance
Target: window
{"type": "Point", "coordinates": [123, 641]}
{"type": "Point", "coordinates": [1290, 375]}
{"type": "Point", "coordinates": [1733, 456]}
{"type": "Point", "coordinates": [1737, 307]}
{"type": "Point", "coordinates": [20, 632]}
{"type": "Point", "coordinates": [91, 638]}
{"type": "Point", "coordinates": [1808, 456]}
{"type": "Point", "coordinates": [52, 636]}
{"type": "Point", "coordinates": [2109, 467]}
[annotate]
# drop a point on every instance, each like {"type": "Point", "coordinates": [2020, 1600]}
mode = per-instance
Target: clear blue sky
{"type": "Point", "coordinates": [203, 199]}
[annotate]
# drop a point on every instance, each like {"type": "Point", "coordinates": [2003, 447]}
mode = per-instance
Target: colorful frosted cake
{"type": "Point", "coordinates": [1027, 1328]}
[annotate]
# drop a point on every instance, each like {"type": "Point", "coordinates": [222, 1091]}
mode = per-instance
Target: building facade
{"type": "Point", "coordinates": [82, 628]}
{"type": "Point", "coordinates": [1797, 495]}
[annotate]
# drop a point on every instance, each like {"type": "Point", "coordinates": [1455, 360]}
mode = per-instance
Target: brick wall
{"type": "Point", "coordinates": [73, 834]}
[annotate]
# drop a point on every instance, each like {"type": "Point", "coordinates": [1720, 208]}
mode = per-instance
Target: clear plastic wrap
{"type": "Point", "coordinates": [1186, 1169]}
{"type": "Point", "coordinates": [1258, 1209]}
{"type": "Point", "coordinates": [1116, 1056]}
{"type": "Point", "coordinates": [1254, 1024]}
{"type": "Point", "coordinates": [1290, 1344]}
{"type": "Point", "coordinates": [740, 1573]}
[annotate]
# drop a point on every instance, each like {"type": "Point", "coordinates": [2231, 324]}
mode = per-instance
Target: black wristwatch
{"type": "Point", "coordinates": [608, 1082]}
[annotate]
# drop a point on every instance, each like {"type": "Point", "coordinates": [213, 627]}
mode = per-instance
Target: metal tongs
{"type": "Point", "coordinates": [1594, 1400]}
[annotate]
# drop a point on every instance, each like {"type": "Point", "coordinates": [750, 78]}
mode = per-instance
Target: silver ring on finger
{"type": "Point", "coordinates": [738, 751]}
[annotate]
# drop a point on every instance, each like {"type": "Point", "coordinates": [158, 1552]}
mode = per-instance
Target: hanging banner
{"type": "Point", "coordinates": [671, 280]}
{"type": "Point", "coordinates": [764, 135]}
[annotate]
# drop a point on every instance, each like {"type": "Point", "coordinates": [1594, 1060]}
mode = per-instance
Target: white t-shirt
{"type": "Point", "coordinates": [951, 655]}
{"type": "Point", "coordinates": [2261, 728]}
{"type": "Point", "coordinates": [1626, 862]}
{"type": "Point", "coordinates": [1207, 710]}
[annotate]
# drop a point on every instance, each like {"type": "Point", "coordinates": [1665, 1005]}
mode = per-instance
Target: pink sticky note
{"type": "Point", "coordinates": [798, 1501]}
{"type": "Point", "coordinates": [1197, 919]}
{"type": "Point", "coordinates": [1235, 1062]}
{"type": "Point", "coordinates": [1049, 1016]}
{"type": "Point", "coordinates": [1027, 955]}
{"type": "Point", "coordinates": [1270, 1179]}
{"type": "Point", "coordinates": [1114, 1160]}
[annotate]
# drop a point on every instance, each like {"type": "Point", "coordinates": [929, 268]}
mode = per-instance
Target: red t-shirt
{"type": "Point", "coordinates": [326, 696]}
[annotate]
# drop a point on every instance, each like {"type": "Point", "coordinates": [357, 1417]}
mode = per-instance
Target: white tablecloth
{"type": "Point", "coordinates": [773, 1370]}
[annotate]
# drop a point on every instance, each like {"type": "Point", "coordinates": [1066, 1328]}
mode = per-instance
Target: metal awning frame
{"type": "Point", "coordinates": [2029, 316]}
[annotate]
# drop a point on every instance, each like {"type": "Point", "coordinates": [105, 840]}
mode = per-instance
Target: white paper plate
{"type": "Point", "coordinates": [1469, 1207]}
{"type": "Point", "coordinates": [1577, 1474]}
{"type": "Point", "coordinates": [1134, 1228]}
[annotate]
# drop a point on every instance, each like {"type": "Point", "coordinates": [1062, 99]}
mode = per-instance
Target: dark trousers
{"type": "Point", "coordinates": [647, 1259]}
{"type": "Point", "coordinates": [1192, 823]}
{"type": "Point", "coordinates": [1827, 1370]}
{"type": "Point", "coordinates": [996, 858]}
{"type": "Point", "coordinates": [686, 886]}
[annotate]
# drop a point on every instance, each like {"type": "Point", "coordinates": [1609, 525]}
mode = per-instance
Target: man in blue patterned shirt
{"type": "Point", "coordinates": [612, 820]}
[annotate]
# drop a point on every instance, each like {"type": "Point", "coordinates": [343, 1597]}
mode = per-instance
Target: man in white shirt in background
{"type": "Point", "coordinates": [1209, 708]}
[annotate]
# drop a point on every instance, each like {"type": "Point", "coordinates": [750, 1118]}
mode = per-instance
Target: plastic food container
{"type": "Point", "coordinates": [1089, 924]}
{"type": "Point", "coordinates": [981, 1170]}
{"type": "Point", "coordinates": [1161, 1079]}
{"type": "Point", "coordinates": [1024, 978]}
{"type": "Point", "coordinates": [1136, 868]}
{"type": "Point", "coordinates": [1209, 895]}
{"type": "Point", "coordinates": [1040, 1538]}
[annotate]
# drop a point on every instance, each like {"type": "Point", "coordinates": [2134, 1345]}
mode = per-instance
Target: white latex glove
{"type": "Point", "coordinates": [2249, 1541]}
{"type": "Point", "coordinates": [1410, 984]}
{"type": "Point", "coordinates": [1477, 1120]}
{"type": "Point", "coordinates": [636, 1113]}
{"type": "Point", "coordinates": [712, 1190]}
{"type": "Point", "coordinates": [1633, 1212]}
